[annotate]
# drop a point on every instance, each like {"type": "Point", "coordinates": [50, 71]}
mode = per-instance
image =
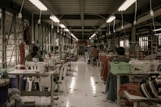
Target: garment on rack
{"type": "Point", "coordinates": [111, 84]}
{"type": "Point", "coordinates": [22, 53]}
{"type": "Point", "coordinates": [27, 34]}
{"type": "Point", "coordinates": [149, 89]}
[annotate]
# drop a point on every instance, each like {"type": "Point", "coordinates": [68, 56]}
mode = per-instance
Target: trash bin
{"type": "Point", "coordinates": [13, 82]}
{"type": "Point", "coordinates": [3, 95]}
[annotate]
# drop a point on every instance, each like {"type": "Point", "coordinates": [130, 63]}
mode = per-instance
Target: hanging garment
{"type": "Point", "coordinates": [27, 34]}
{"type": "Point", "coordinates": [22, 53]}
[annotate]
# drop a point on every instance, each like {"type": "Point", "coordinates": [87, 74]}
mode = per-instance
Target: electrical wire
{"type": "Point", "coordinates": [152, 15]}
{"type": "Point", "coordinates": [122, 26]}
{"type": "Point", "coordinates": [114, 26]}
{"type": "Point", "coordinates": [39, 21]}
{"type": "Point", "coordinates": [22, 6]}
{"type": "Point", "coordinates": [109, 29]}
{"type": "Point", "coordinates": [135, 12]}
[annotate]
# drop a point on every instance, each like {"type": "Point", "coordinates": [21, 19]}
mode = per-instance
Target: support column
{"type": "Point", "coordinates": [15, 39]}
{"type": "Point", "coordinates": [4, 40]}
{"type": "Point", "coordinates": [42, 37]}
{"type": "Point", "coordinates": [33, 29]}
{"type": "Point", "coordinates": [113, 41]}
{"type": "Point", "coordinates": [133, 41]}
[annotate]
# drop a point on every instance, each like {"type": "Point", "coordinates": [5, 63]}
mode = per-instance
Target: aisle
{"type": "Point", "coordinates": [85, 88]}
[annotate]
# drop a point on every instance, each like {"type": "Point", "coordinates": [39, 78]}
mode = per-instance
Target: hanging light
{"type": "Point", "coordinates": [54, 19]}
{"type": "Point", "coordinates": [67, 30]}
{"type": "Point", "coordinates": [126, 5]}
{"type": "Point", "coordinates": [39, 5]}
{"type": "Point", "coordinates": [92, 36]}
{"type": "Point", "coordinates": [110, 19]}
{"type": "Point", "coordinates": [62, 26]}
{"type": "Point", "coordinates": [52, 25]}
{"type": "Point", "coordinates": [135, 13]}
{"type": "Point", "coordinates": [39, 21]}
{"type": "Point", "coordinates": [20, 13]}
{"type": "Point", "coordinates": [151, 10]}
{"type": "Point", "coordinates": [74, 36]}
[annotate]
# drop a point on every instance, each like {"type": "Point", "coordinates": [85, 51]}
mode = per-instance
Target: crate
{"type": "Point", "coordinates": [120, 67]}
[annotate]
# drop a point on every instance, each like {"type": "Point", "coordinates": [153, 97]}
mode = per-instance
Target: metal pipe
{"type": "Point", "coordinates": [4, 64]}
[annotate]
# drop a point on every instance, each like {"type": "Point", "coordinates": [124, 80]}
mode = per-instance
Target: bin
{"type": "Point", "coordinates": [3, 95]}
{"type": "Point", "coordinates": [13, 82]}
{"type": "Point", "coordinates": [120, 67]}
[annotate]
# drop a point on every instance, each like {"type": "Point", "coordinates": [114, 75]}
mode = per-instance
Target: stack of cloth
{"type": "Point", "coordinates": [14, 97]}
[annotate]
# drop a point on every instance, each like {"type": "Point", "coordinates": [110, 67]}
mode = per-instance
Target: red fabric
{"type": "Point", "coordinates": [27, 34]}
{"type": "Point", "coordinates": [105, 68]}
{"type": "Point", "coordinates": [131, 88]}
{"type": "Point", "coordinates": [22, 53]}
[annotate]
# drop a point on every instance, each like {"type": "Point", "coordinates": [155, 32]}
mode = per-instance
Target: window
{"type": "Point", "coordinates": [124, 43]}
{"type": "Point", "coordinates": [143, 43]}
{"type": "Point", "coordinates": [159, 39]}
{"type": "Point", "coordinates": [121, 43]}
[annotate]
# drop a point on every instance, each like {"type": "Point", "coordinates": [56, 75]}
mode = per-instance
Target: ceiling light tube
{"type": "Point", "coordinates": [155, 30]}
{"type": "Point", "coordinates": [110, 19]}
{"type": "Point", "coordinates": [157, 34]}
{"type": "Point", "coordinates": [74, 36]}
{"type": "Point", "coordinates": [54, 19]}
{"type": "Point", "coordinates": [67, 30]}
{"type": "Point", "coordinates": [39, 5]}
{"type": "Point", "coordinates": [62, 26]}
{"type": "Point", "coordinates": [126, 5]}
{"type": "Point", "coordinates": [92, 36]}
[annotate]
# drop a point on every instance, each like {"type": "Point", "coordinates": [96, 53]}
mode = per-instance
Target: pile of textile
{"type": "Point", "coordinates": [14, 97]}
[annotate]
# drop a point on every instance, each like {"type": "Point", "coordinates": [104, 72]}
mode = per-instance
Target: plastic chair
{"type": "Point", "coordinates": [43, 81]}
{"type": "Point", "coordinates": [30, 66]}
{"type": "Point", "coordinates": [41, 66]}
{"type": "Point", "coordinates": [62, 78]}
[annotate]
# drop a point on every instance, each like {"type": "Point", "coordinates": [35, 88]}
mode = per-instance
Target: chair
{"type": "Point", "coordinates": [45, 80]}
{"type": "Point", "coordinates": [62, 78]}
{"type": "Point", "coordinates": [30, 66]}
{"type": "Point", "coordinates": [41, 66]}
{"type": "Point", "coordinates": [20, 66]}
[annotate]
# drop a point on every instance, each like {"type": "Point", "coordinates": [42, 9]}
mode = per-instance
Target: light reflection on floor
{"type": "Point", "coordinates": [85, 88]}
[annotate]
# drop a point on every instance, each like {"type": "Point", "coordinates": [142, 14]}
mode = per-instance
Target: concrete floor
{"type": "Point", "coordinates": [85, 89]}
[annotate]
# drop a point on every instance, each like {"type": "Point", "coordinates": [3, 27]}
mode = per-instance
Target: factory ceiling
{"type": "Point", "coordinates": [86, 17]}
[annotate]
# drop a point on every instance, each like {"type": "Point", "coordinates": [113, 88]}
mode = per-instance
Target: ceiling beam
{"type": "Point", "coordinates": [14, 8]}
{"type": "Point", "coordinates": [129, 18]}
{"type": "Point", "coordinates": [85, 30]}
{"type": "Point", "coordinates": [82, 15]}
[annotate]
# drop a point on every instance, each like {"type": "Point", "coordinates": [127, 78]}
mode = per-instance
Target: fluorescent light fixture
{"type": "Point", "coordinates": [20, 15]}
{"type": "Point", "coordinates": [155, 30]}
{"type": "Point", "coordinates": [157, 34]}
{"type": "Point", "coordinates": [54, 19]}
{"type": "Point", "coordinates": [92, 36]}
{"type": "Point", "coordinates": [39, 5]}
{"type": "Point", "coordinates": [110, 19]}
{"type": "Point", "coordinates": [67, 30]}
{"type": "Point", "coordinates": [126, 5]}
{"type": "Point", "coordinates": [62, 26]}
{"type": "Point", "coordinates": [74, 36]}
